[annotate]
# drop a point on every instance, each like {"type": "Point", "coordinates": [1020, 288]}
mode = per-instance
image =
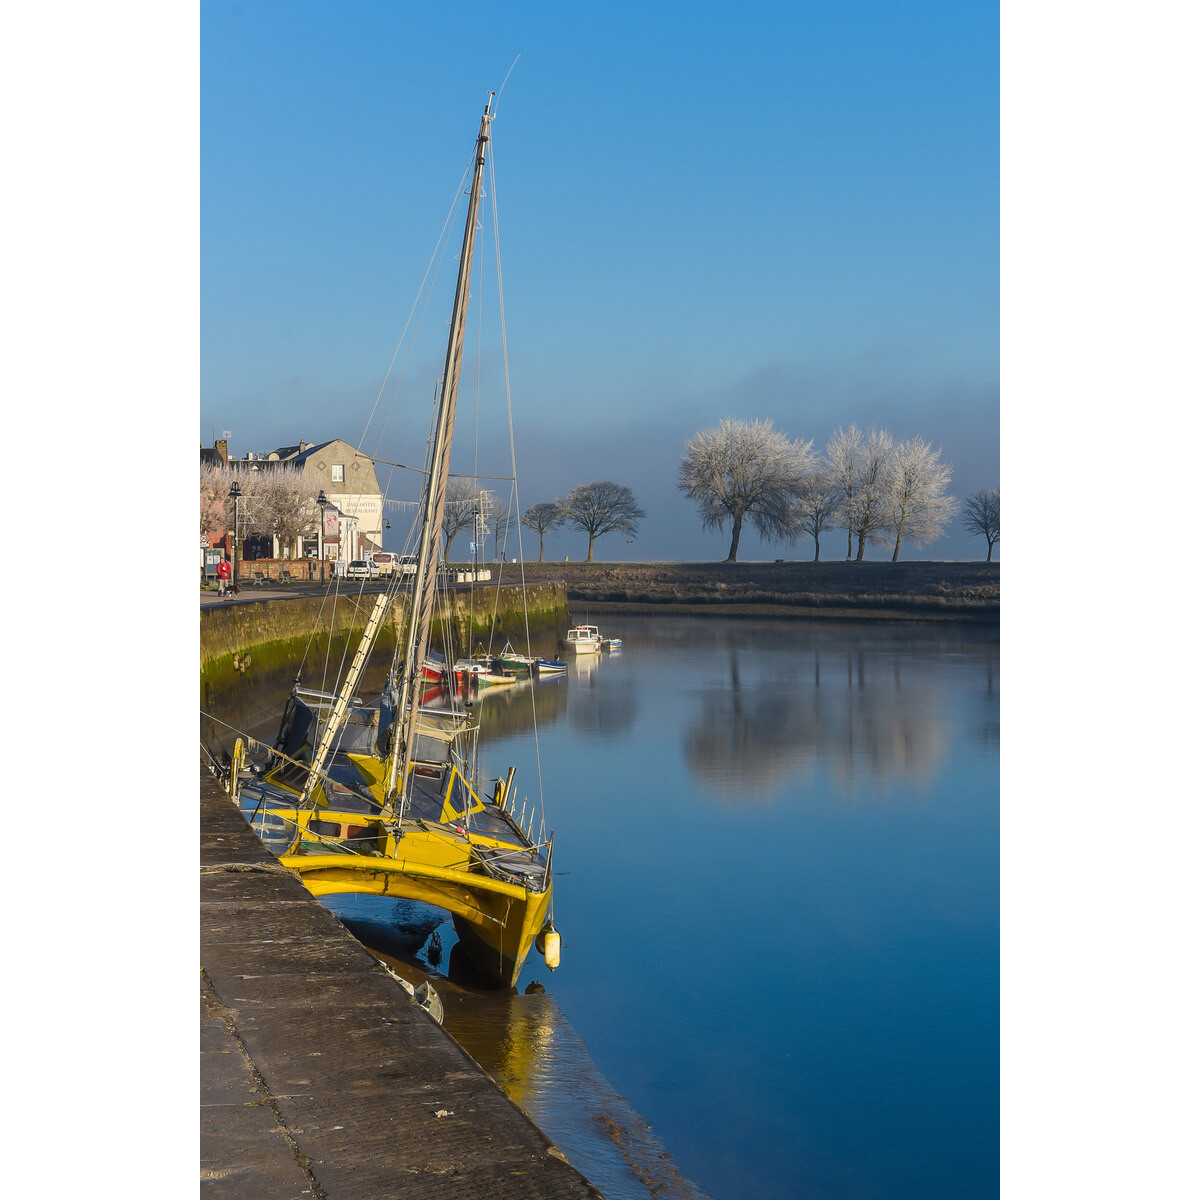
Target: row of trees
{"type": "Point", "coordinates": [877, 489]}
{"type": "Point", "coordinates": [594, 508]}
{"type": "Point", "coordinates": [273, 503]}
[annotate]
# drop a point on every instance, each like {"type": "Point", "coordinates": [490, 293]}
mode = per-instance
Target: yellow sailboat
{"type": "Point", "coordinates": [386, 801]}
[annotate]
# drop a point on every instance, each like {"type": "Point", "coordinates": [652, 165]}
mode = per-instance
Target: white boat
{"type": "Point", "coordinates": [583, 639]}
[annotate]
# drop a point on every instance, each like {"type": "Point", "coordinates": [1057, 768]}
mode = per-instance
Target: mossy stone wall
{"type": "Point", "coordinates": [271, 637]}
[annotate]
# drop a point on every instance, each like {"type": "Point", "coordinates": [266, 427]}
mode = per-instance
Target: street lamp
{"type": "Point", "coordinates": [235, 493]}
{"type": "Point", "coordinates": [322, 501]}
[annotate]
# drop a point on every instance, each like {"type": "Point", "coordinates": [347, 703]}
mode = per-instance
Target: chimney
{"type": "Point", "coordinates": [222, 448]}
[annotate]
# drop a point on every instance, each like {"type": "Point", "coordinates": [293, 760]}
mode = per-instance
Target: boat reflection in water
{"type": "Point", "coordinates": [525, 1043]}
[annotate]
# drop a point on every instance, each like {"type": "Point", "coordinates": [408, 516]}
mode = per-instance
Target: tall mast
{"type": "Point", "coordinates": [435, 498]}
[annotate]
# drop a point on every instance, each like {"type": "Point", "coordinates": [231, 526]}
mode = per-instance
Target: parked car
{"type": "Point", "coordinates": [360, 568]}
{"type": "Point", "coordinates": [407, 565]}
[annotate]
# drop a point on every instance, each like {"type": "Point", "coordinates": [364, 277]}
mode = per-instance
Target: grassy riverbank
{"type": "Point", "coordinates": [879, 590]}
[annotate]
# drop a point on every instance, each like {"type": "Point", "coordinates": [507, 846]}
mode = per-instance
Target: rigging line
{"type": "Point", "coordinates": [312, 633]}
{"type": "Point", "coordinates": [383, 462]}
{"type": "Point", "coordinates": [333, 589]}
{"type": "Point", "coordinates": [252, 741]}
{"type": "Point", "coordinates": [435, 255]}
{"type": "Point", "coordinates": [512, 443]}
{"type": "Point", "coordinates": [496, 103]}
{"type": "Point", "coordinates": [412, 342]}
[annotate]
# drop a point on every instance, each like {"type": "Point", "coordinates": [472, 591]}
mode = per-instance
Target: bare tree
{"type": "Point", "coordinates": [600, 508]}
{"type": "Point", "coordinates": [817, 510]}
{"type": "Point", "coordinates": [462, 495]}
{"type": "Point", "coordinates": [743, 469]}
{"type": "Point", "coordinates": [921, 510]}
{"type": "Point", "coordinates": [542, 518]}
{"type": "Point", "coordinates": [983, 516]}
{"type": "Point", "coordinates": [867, 512]}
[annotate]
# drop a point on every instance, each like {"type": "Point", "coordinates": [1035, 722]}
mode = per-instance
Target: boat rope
{"type": "Point", "coordinates": [439, 253]}
{"type": "Point", "coordinates": [256, 743]}
{"type": "Point", "coordinates": [512, 443]}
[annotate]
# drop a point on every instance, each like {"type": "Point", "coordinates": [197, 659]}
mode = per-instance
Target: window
{"type": "Point", "coordinates": [339, 474]}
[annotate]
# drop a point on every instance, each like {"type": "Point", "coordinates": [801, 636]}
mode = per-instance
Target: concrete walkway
{"type": "Point", "coordinates": [320, 1077]}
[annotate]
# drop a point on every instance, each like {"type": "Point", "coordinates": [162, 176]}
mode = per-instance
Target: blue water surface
{"type": "Point", "coordinates": [777, 881]}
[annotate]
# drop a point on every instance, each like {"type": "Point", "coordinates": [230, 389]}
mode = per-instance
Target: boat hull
{"type": "Point", "coordinates": [582, 647]}
{"type": "Point", "coordinates": [496, 923]}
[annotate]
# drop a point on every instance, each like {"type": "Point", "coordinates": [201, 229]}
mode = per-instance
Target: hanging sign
{"type": "Point", "coordinates": [331, 522]}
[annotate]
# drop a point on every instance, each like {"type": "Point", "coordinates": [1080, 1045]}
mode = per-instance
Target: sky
{"type": "Point", "coordinates": [783, 211]}
{"type": "Point", "coordinates": [113, 203]}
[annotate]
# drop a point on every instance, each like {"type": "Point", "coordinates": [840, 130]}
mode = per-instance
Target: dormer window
{"type": "Point", "coordinates": [339, 473]}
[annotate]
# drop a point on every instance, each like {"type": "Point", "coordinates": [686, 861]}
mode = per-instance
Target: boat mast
{"type": "Point", "coordinates": [435, 499]}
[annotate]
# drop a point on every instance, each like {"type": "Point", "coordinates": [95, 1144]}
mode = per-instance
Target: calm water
{"type": "Point", "coordinates": [778, 847]}
{"type": "Point", "coordinates": [777, 881]}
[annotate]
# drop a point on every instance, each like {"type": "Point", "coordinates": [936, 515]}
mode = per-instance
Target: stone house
{"type": "Point", "coordinates": [348, 480]}
{"type": "Point", "coordinates": [347, 477]}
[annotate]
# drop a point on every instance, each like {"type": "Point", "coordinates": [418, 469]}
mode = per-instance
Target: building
{"type": "Point", "coordinates": [344, 474]}
{"type": "Point", "coordinates": [347, 477]}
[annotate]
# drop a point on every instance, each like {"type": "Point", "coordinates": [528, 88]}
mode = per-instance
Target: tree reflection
{"type": "Point", "coordinates": [868, 720]}
{"type": "Point", "coordinates": [602, 712]}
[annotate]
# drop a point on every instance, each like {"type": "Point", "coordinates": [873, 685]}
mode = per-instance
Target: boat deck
{"type": "Point", "coordinates": [352, 795]}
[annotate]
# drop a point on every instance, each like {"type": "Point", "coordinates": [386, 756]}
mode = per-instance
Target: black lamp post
{"type": "Point", "coordinates": [235, 492]}
{"type": "Point", "coordinates": [322, 501]}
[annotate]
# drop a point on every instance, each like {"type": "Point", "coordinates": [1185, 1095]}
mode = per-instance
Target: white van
{"type": "Point", "coordinates": [386, 561]}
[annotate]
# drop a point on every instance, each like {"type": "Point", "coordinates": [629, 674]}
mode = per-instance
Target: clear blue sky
{"type": "Point", "coordinates": [781, 210]}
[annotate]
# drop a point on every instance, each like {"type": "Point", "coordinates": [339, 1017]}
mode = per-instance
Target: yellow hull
{"type": "Point", "coordinates": [435, 861]}
{"type": "Point", "coordinates": [496, 921]}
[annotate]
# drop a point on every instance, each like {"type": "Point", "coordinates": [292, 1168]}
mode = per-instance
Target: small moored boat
{"type": "Point", "coordinates": [583, 639]}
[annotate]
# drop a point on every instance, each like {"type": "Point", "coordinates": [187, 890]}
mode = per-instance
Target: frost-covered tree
{"type": "Point", "coordinates": [842, 455]}
{"type": "Point", "coordinates": [921, 509]}
{"type": "Point", "coordinates": [502, 519]}
{"type": "Point", "coordinates": [542, 518]}
{"type": "Point", "coordinates": [817, 510]}
{"type": "Point", "coordinates": [291, 508]}
{"type": "Point", "coordinates": [983, 516]}
{"type": "Point", "coordinates": [214, 492]}
{"type": "Point", "coordinates": [600, 508]}
{"type": "Point", "coordinates": [462, 495]}
{"type": "Point", "coordinates": [275, 502]}
{"type": "Point", "coordinates": [745, 469]}
{"type": "Point", "coordinates": [867, 508]}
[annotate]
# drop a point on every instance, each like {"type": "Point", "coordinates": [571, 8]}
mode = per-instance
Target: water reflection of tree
{"type": "Point", "coordinates": [602, 711]}
{"type": "Point", "coordinates": [865, 718]}
{"type": "Point", "coordinates": [989, 728]}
